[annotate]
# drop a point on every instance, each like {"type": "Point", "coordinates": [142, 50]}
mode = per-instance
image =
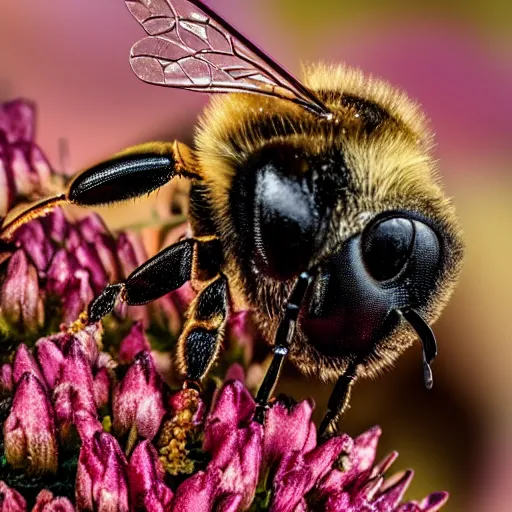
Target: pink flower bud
{"type": "Point", "coordinates": [90, 341]}
{"type": "Point", "coordinates": [24, 362]}
{"type": "Point", "coordinates": [296, 420]}
{"type": "Point", "coordinates": [137, 400]}
{"type": "Point", "coordinates": [91, 226]}
{"type": "Point", "coordinates": [60, 273]}
{"type": "Point", "coordinates": [74, 391]}
{"type": "Point", "coordinates": [6, 382]}
{"type": "Point", "coordinates": [87, 256]}
{"type": "Point", "coordinates": [101, 480]}
{"type": "Point", "coordinates": [50, 358]}
{"type": "Point", "coordinates": [131, 253]}
{"type": "Point", "coordinates": [55, 225]}
{"type": "Point", "coordinates": [17, 120]}
{"type": "Point", "coordinates": [197, 492]}
{"type": "Point", "coordinates": [77, 297]}
{"type": "Point", "coordinates": [135, 342]}
{"type": "Point", "coordinates": [21, 303]}
{"type": "Point", "coordinates": [36, 244]}
{"type": "Point", "coordinates": [146, 478]}
{"type": "Point", "coordinates": [102, 388]}
{"type": "Point", "coordinates": [45, 502]}
{"type": "Point", "coordinates": [11, 500]}
{"type": "Point", "coordinates": [29, 430]}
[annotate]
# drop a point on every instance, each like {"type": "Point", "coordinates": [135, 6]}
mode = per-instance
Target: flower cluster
{"type": "Point", "coordinates": [58, 263]}
{"type": "Point", "coordinates": [112, 436]}
{"type": "Point", "coordinates": [87, 423]}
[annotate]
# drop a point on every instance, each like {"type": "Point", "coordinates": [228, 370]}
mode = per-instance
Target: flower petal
{"type": "Point", "coordinates": [74, 391]}
{"type": "Point", "coordinates": [17, 120]}
{"type": "Point", "coordinates": [137, 400]}
{"type": "Point", "coordinates": [135, 342]}
{"type": "Point", "coordinates": [197, 493]}
{"type": "Point", "coordinates": [301, 432]}
{"type": "Point", "coordinates": [434, 502]}
{"type": "Point", "coordinates": [11, 500]}
{"type": "Point", "coordinates": [45, 502]}
{"type": "Point", "coordinates": [60, 273]}
{"type": "Point", "coordinates": [29, 430]}
{"type": "Point", "coordinates": [50, 358]}
{"type": "Point", "coordinates": [36, 244]}
{"type": "Point", "coordinates": [101, 480]}
{"type": "Point", "coordinates": [393, 491]}
{"type": "Point", "coordinates": [6, 381]}
{"type": "Point", "coordinates": [146, 478]}
{"type": "Point", "coordinates": [20, 301]}
{"type": "Point", "coordinates": [24, 362]}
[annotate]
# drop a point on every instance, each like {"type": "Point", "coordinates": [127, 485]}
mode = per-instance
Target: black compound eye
{"type": "Point", "coordinates": [387, 247]}
{"type": "Point", "coordinates": [285, 222]}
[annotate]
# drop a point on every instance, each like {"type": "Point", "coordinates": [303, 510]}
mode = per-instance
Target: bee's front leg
{"type": "Point", "coordinates": [283, 339]}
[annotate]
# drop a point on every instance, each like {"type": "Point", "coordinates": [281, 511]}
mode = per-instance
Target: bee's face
{"type": "Point", "coordinates": [370, 255]}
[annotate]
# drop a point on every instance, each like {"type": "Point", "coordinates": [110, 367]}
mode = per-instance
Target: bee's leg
{"type": "Point", "coordinates": [163, 273]}
{"type": "Point", "coordinates": [283, 339]}
{"type": "Point", "coordinates": [135, 172]}
{"type": "Point", "coordinates": [203, 333]}
{"type": "Point", "coordinates": [338, 401]}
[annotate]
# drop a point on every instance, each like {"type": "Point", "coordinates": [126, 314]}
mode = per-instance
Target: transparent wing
{"type": "Point", "coordinates": [191, 47]}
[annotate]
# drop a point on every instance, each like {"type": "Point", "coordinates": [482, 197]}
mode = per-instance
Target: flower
{"type": "Point", "coordinates": [151, 448]}
{"type": "Point", "coordinates": [88, 417]}
{"type": "Point", "coordinates": [59, 263]}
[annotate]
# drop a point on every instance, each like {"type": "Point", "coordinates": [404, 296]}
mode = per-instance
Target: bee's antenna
{"type": "Point", "coordinates": [426, 335]}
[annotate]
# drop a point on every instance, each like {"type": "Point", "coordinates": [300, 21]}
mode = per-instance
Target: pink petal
{"type": "Point", "coordinates": [55, 225]}
{"type": "Point", "coordinates": [197, 492]}
{"type": "Point", "coordinates": [29, 430]}
{"type": "Point", "coordinates": [296, 422]}
{"type": "Point", "coordinates": [135, 342]}
{"type": "Point", "coordinates": [24, 362]}
{"type": "Point", "coordinates": [60, 273]}
{"type": "Point", "coordinates": [50, 358]}
{"type": "Point", "coordinates": [36, 244]}
{"type": "Point", "coordinates": [146, 477]}
{"type": "Point", "coordinates": [17, 120]}
{"type": "Point", "coordinates": [11, 500]}
{"type": "Point", "coordinates": [137, 400]}
{"type": "Point", "coordinates": [6, 381]}
{"type": "Point", "coordinates": [46, 502]}
{"type": "Point", "coordinates": [434, 502]}
{"type": "Point", "coordinates": [393, 492]}
{"type": "Point", "coordinates": [101, 480]}
{"type": "Point", "coordinates": [102, 384]}
{"type": "Point", "coordinates": [20, 300]}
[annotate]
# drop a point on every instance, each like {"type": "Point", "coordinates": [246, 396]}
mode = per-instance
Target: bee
{"type": "Point", "coordinates": [315, 204]}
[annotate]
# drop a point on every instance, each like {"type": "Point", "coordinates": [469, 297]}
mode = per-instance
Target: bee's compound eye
{"type": "Point", "coordinates": [387, 246]}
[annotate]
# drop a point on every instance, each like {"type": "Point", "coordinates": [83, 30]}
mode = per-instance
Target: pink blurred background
{"type": "Point", "coordinates": [71, 58]}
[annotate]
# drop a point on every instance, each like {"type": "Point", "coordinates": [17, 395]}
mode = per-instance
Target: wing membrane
{"type": "Point", "coordinates": [191, 47]}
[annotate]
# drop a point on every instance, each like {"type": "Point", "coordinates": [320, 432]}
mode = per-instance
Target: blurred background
{"type": "Point", "coordinates": [71, 58]}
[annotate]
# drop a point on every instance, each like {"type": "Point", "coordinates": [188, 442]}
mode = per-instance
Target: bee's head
{"type": "Point", "coordinates": [370, 258]}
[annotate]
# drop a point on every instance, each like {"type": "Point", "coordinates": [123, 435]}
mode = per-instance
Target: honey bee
{"type": "Point", "coordinates": [314, 204]}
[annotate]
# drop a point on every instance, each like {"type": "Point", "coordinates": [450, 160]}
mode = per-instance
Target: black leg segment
{"type": "Point", "coordinates": [165, 272]}
{"type": "Point", "coordinates": [202, 336]}
{"type": "Point", "coordinates": [132, 173]}
{"type": "Point", "coordinates": [283, 340]}
{"type": "Point", "coordinates": [338, 401]}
